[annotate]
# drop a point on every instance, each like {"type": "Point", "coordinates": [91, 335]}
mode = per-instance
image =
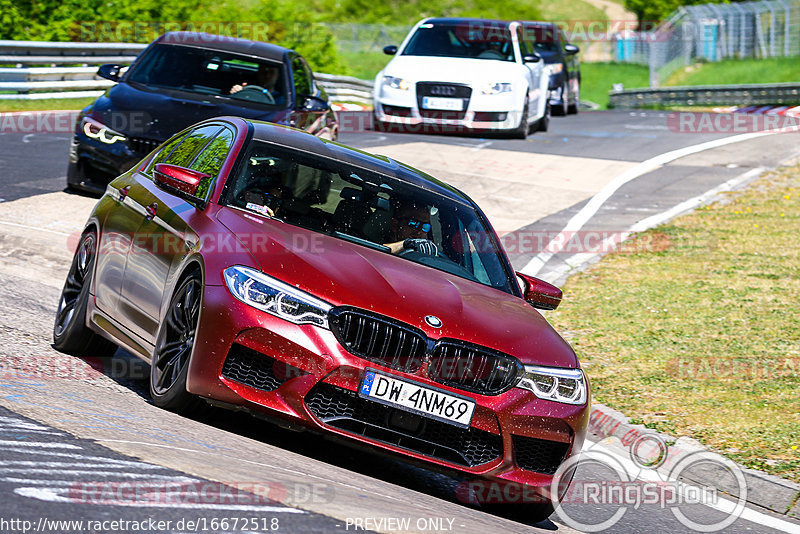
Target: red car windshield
{"type": "Point", "coordinates": [369, 209]}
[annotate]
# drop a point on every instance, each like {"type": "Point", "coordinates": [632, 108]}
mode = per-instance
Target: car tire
{"type": "Point", "coordinates": [174, 346]}
{"type": "Point", "coordinates": [563, 107]}
{"type": "Point", "coordinates": [70, 333]}
{"type": "Point", "coordinates": [379, 126]}
{"type": "Point", "coordinates": [521, 131]}
{"type": "Point", "coordinates": [572, 109]}
{"type": "Point", "coordinates": [543, 124]}
{"type": "Point", "coordinates": [526, 512]}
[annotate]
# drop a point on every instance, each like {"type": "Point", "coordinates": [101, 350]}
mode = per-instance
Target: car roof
{"type": "Point", "coordinates": [457, 20]}
{"type": "Point", "coordinates": [538, 24]}
{"type": "Point", "coordinates": [306, 142]}
{"type": "Point", "coordinates": [224, 43]}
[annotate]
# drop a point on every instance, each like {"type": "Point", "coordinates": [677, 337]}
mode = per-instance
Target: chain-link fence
{"type": "Point", "coordinates": [711, 32]}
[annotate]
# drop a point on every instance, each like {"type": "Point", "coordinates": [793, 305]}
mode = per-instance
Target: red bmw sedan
{"type": "Point", "coordinates": [258, 267]}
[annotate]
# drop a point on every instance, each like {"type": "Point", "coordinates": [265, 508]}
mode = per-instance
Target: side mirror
{"type": "Point", "coordinates": [531, 58]}
{"type": "Point", "coordinates": [311, 103]}
{"type": "Point", "coordinates": [571, 49]}
{"type": "Point", "coordinates": [539, 293]}
{"type": "Point", "coordinates": [174, 178]}
{"type": "Point", "coordinates": [390, 50]}
{"type": "Point", "coordinates": [109, 72]}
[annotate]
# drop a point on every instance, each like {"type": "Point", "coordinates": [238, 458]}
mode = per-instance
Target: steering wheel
{"type": "Point", "coordinates": [252, 92]}
{"type": "Point", "coordinates": [424, 244]}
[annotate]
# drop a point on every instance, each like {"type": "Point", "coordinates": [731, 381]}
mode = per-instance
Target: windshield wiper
{"type": "Point", "coordinates": [360, 241]}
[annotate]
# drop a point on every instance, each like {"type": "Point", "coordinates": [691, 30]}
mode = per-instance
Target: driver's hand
{"type": "Point", "coordinates": [238, 87]}
{"type": "Point", "coordinates": [421, 245]}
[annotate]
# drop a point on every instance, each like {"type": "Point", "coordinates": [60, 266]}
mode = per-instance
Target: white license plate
{"type": "Point", "coordinates": [416, 398]}
{"type": "Point", "coordinates": [437, 102]}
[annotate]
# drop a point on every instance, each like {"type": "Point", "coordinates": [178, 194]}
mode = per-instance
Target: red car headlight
{"type": "Point", "coordinates": [552, 383]}
{"type": "Point", "coordinates": [277, 298]}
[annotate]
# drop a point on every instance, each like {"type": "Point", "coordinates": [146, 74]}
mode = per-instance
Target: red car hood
{"type": "Point", "coordinates": [343, 273]}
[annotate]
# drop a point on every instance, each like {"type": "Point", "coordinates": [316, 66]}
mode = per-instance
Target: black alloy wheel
{"type": "Point", "coordinates": [170, 364]}
{"type": "Point", "coordinates": [70, 333]}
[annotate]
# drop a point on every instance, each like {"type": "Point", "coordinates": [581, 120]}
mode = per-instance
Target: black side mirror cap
{"type": "Point", "coordinates": [531, 58]}
{"type": "Point", "coordinates": [571, 49]}
{"type": "Point", "coordinates": [109, 71]}
{"type": "Point", "coordinates": [390, 50]}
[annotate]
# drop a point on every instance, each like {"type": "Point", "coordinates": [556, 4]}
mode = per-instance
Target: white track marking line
{"type": "Point", "coordinates": [54, 495]}
{"type": "Point", "coordinates": [576, 260]}
{"type": "Point", "coordinates": [120, 474]}
{"type": "Point", "coordinates": [5, 443]}
{"type": "Point", "coordinates": [101, 465]}
{"type": "Point", "coordinates": [47, 482]}
{"type": "Point", "coordinates": [596, 202]}
{"type": "Point", "coordinates": [111, 462]}
{"type": "Point", "coordinates": [28, 227]}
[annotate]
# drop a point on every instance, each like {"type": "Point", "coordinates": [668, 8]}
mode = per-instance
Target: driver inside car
{"type": "Point", "coordinates": [265, 83]}
{"type": "Point", "coordinates": [411, 228]}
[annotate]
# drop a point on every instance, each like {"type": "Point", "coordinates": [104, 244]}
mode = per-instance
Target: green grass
{"type": "Point", "coordinates": [692, 328]}
{"type": "Point", "coordinates": [738, 71]}
{"type": "Point", "coordinates": [597, 79]}
{"type": "Point", "coordinates": [36, 105]}
{"type": "Point", "coordinates": [574, 10]}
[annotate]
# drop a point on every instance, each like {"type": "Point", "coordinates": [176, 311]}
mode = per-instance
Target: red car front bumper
{"type": "Point", "coordinates": [301, 373]}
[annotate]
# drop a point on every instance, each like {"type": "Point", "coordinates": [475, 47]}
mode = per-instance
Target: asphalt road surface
{"type": "Point", "coordinates": [81, 442]}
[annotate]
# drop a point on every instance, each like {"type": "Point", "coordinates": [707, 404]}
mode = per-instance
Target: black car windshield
{"type": "Point", "coordinates": [212, 72]}
{"type": "Point", "coordinates": [544, 42]}
{"type": "Point", "coordinates": [369, 209]}
{"type": "Point", "coordinates": [468, 39]}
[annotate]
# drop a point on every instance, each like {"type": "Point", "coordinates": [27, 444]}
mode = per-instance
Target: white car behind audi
{"type": "Point", "coordinates": [466, 73]}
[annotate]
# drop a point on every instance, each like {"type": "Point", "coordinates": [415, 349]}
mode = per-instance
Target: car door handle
{"type": "Point", "coordinates": [151, 210]}
{"type": "Point", "coordinates": [123, 192]}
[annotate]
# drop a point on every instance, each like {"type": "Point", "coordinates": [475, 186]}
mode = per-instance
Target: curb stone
{"type": "Point", "coordinates": [764, 490]}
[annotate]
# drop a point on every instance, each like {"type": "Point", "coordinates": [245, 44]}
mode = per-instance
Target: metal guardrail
{"type": "Point", "coordinates": [707, 95]}
{"type": "Point", "coordinates": [24, 82]}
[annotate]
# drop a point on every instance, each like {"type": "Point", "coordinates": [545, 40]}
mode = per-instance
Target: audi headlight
{"type": "Point", "coordinates": [496, 88]}
{"type": "Point", "coordinates": [97, 130]}
{"type": "Point", "coordinates": [277, 298]}
{"type": "Point", "coordinates": [556, 384]}
{"type": "Point", "coordinates": [396, 83]}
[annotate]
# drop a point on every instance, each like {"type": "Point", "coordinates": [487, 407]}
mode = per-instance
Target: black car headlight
{"type": "Point", "coordinates": [95, 129]}
{"type": "Point", "coordinates": [556, 384]}
{"type": "Point", "coordinates": [277, 298]}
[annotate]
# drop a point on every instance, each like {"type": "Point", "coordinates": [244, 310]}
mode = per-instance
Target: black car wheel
{"type": "Point", "coordinates": [562, 108]}
{"type": "Point", "coordinates": [572, 109]}
{"type": "Point", "coordinates": [70, 333]}
{"type": "Point", "coordinates": [521, 131]}
{"type": "Point", "coordinates": [528, 512]}
{"type": "Point", "coordinates": [170, 364]}
{"type": "Point", "coordinates": [544, 123]}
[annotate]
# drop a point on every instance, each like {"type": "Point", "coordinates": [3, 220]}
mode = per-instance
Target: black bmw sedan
{"type": "Point", "coordinates": [182, 78]}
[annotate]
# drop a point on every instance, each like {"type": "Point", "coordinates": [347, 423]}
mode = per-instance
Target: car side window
{"type": "Point", "coordinates": [303, 79]}
{"type": "Point", "coordinates": [210, 159]}
{"type": "Point", "coordinates": [164, 153]}
{"type": "Point", "coordinates": [183, 154]}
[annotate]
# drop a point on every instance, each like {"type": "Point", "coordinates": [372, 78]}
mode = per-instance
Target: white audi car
{"type": "Point", "coordinates": [468, 73]}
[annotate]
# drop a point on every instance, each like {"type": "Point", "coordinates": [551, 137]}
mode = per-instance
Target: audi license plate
{"type": "Point", "coordinates": [416, 398]}
{"type": "Point", "coordinates": [437, 102]}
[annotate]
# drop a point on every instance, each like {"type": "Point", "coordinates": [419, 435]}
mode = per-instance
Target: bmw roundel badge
{"type": "Point", "coordinates": [433, 321]}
